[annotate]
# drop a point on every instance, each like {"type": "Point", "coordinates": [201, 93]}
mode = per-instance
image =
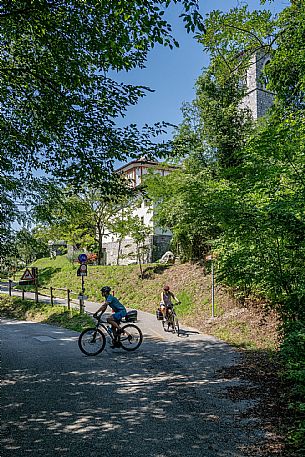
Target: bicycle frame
{"type": "Point", "coordinates": [170, 313]}
{"type": "Point", "coordinates": [104, 324]}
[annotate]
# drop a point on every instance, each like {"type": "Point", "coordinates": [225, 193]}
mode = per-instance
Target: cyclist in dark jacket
{"type": "Point", "coordinates": [166, 300]}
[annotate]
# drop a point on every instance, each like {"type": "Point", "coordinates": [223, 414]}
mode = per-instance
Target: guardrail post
{"type": "Point", "coordinates": [10, 287]}
{"type": "Point", "coordinates": [81, 303]}
{"type": "Point", "coordinates": [51, 295]}
{"type": "Point", "coordinates": [69, 299]}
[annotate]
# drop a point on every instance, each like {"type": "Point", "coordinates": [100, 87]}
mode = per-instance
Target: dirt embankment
{"type": "Point", "coordinates": [247, 325]}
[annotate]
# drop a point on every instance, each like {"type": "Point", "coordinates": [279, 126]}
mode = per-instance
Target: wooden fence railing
{"type": "Point", "coordinates": [51, 295]}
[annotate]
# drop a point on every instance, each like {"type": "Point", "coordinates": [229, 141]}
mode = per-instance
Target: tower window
{"type": "Point", "coordinates": [265, 79]}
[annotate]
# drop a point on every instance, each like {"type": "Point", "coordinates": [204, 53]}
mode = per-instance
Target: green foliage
{"type": "Point", "coordinates": [293, 352]}
{"type": "Point", "coordinates": [225, 124]}
{"type": "Point", "coordinates": [81, 216]}
{"type": "Point", "coordinates": [186, 205]}
{"type": "Point", "coordinates": [29, 247]}
{"type": "Point", "coordinates": [287, 66]}
{"type": "Point", "coordinates": [242, 189]}
{"type": "Point", "coordinates": [71, 214]}
{"type": "Point", "coordinates": [186, 305]}
{"type": "Point", "coordinates": [9, 188]}
{"type": "Point", "coordinates": [59, 103]}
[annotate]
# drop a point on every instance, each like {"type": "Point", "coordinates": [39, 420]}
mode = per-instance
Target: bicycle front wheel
{"type": "Point", "coordinates": [131, 337]}
{"type": "Point", "coordinates": [165, 325]}
{"type": "Point", "coordinates": [176, 328]}
{"type": "Point", "coordinates": [91, 341]}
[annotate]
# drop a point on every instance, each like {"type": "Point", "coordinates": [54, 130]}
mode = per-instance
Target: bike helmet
{"type": "Point", "coordinates": [106, 290]}
{"type": "Point", "coordinates": [166, 288]}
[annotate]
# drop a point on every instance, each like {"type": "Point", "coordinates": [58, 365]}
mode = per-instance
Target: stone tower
{"type": "Point", "coordinates": [258, 98]}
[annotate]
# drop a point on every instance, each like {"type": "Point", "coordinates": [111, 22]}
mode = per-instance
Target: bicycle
{"type": "Point", "coordinates": [92, 340]}
{"type": "Point", "coordinates": [171, 320]}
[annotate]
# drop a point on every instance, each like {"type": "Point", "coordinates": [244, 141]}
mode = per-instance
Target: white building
{"type": "Point", "coordinates": [159, 240]}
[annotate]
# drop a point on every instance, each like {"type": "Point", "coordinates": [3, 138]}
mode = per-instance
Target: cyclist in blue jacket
{"type": "Point", "coordinates": [115, 305]}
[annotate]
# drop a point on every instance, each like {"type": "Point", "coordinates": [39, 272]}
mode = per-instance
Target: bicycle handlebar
{"type": "Point", "coordinates": [172, 304]}
{"type": "Point", "coordinates": [98, 318]}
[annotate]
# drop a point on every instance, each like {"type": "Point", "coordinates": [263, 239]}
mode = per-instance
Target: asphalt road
{"type": "Point", "coordinates": [167, 399]}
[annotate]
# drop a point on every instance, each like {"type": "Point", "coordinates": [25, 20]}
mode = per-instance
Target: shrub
{"type": "Point", "coordinates": [293, 353]}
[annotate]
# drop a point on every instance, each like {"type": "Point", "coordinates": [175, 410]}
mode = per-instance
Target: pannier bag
{"type": "Point", "coordinates": [159, 314]}
{"type": "Point", "coordinates": [131, 316]}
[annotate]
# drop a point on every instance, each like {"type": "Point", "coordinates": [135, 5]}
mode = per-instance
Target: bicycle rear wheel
{"type": "Point", "coordinates": [170, 322]}
{"type": "Point", "coordinates": [131, 337]}
{"type": "Point", "coordinates": [91, 341]}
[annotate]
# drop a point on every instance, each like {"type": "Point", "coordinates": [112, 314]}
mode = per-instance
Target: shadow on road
{"type": "Point", "coordinates": [164, 400]}
{"type": "Point", "coordinates": [186, 333]}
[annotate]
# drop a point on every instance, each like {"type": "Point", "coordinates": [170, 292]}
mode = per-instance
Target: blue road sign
{"type": "Point", "coordinates": [82, 258]}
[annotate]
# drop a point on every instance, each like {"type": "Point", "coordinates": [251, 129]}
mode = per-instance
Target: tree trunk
{"type": "Point", "coordinates": [119, 250]}
{"type": "Point", "coordinates": [100, 243]}
{"type": "Point", "coordinates": [139, 261]}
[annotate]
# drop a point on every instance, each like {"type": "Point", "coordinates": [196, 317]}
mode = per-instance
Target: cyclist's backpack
{"type": "Point", "coordinates": [131, 316]}
{"type": "Point", "coordinates": [159, 314]}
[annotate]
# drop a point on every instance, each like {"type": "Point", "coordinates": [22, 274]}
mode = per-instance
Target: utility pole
{"type": "Point", "coordinates": [210, 258]}
{"type": "Point", "coordinates": [213, 294]}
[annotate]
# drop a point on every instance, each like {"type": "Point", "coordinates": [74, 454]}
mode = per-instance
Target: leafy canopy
{"type": "Point", "coordinates": [59, 102]}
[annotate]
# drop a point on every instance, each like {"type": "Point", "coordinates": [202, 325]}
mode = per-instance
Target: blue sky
{"type": "Point", "coordinates": [173, 73]}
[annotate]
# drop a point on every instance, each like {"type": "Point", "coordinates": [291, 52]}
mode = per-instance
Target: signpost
{"type": "Point", "coordinates": [27, 276]}
{"type": "Point", "coordinates": [82, 271]}
{"type": "Point", "coordinates": [30, 278]}
{"type": "Point", "coordinates": [82, 258]}
{"type": "Point", "coordinates": [210, 258]}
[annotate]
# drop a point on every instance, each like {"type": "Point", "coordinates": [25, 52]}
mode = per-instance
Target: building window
{"type": "Point", "coordinates": [265, 79]}
{"type": "Point", "coordinates": [243, 82]}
